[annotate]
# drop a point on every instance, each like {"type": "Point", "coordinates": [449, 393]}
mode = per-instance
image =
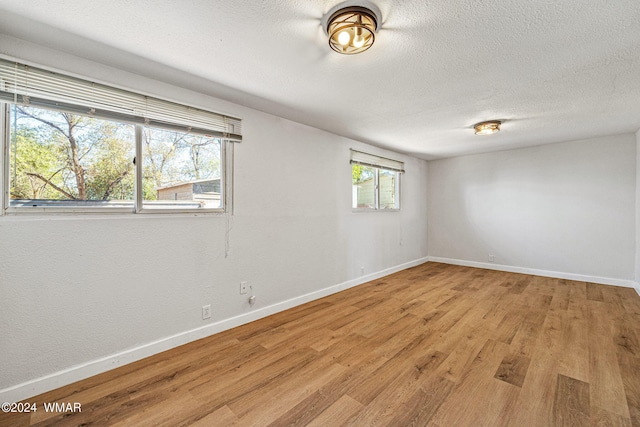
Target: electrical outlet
{"type": "Point", "coordinates": [492, 258]}
{"type": "Point", "coordinates": [206, 311]}
{"type": "Point", "coordinates": [243, 288]}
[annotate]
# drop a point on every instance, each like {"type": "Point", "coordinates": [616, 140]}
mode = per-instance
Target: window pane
{"type": "Point", "coordinates": [69, 160]}
{"type": "Point", "coordinates": [181, 171]}
{"type": "Point", "coordinates": [389, 189]}
{"type": "Point", "coordinates": [363, 186]}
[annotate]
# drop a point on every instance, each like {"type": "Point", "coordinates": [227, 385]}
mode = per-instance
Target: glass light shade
{"type": "Point", "coordinates": [344, 38]}
{"type": "Point", "coordinates": [358, 41]}
{"type": "Point", "coordinates": [359, 23]}
{"type": "Point", "coordinates": [487, 128]}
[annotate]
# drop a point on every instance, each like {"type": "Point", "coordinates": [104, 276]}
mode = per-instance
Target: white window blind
{"type": "Point", "coordinates": [27, 85]}
{"type": "Point", "coordinates": [366, 159]}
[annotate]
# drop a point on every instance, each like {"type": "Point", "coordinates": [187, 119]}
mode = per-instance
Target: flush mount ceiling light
{"type": "Point", "coordinates": [351, 26]}
{"type": "Point", "coordinates": [487, 128]}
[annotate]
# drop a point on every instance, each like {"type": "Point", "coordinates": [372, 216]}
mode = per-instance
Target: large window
{"type": "Point", "coordinates": [375, 182]}
{"type": "Point", "coordinates": [64, 159]}
{"type": "Point", "coordinates": [74, 145]}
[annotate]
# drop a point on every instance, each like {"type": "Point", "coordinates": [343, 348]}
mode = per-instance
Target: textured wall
{"type": "Point", "coordinates": [566, 207]}
{"type": "Point", "coordinates": [637, 278]}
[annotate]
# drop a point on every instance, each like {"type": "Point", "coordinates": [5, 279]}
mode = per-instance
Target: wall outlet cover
{"type": "Point", "coordinates": [206, 311]}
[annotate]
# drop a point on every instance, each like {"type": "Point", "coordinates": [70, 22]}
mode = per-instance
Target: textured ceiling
{"type": "Point", "coordinates": [551, 70]}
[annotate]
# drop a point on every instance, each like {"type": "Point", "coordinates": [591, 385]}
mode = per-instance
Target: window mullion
{"type": "Point", "coordinates": [138, 169]}
{"type": "Point", "coordinates": [4, 164]}
{"type": "Point", "coordinates": [226, 154]}
{"type": "Point", "coordinates": [397, 190]}
{"type": "Point", "coordinates": [377, 189]}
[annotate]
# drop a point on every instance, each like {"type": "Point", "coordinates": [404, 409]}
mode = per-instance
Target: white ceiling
{"type": "Point", "coordinates": [551, 70]}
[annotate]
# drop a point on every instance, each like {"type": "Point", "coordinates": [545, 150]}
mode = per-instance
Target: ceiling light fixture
{"type": "Point", "coordinates": [351, 27]}
{"type": "Point", "coordinates": [488, 127]}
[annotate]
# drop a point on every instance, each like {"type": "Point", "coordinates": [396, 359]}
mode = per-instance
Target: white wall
{"type": "Point", "coordinates": [78, 290]}
{"type": "Point", "coordinates": [637, 275]}
{"type": "Point", "coordinates": [566, 208]}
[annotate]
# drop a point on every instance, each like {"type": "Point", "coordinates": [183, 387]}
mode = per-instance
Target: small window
{"type": "Point", "coordinates": [389, 189]}
{"type": "Point", "coordinates": [181, 171]}
{"type": "Point", "coordinates": [375, 182]}
{"type": "Point", "coordinates": [364, 186]}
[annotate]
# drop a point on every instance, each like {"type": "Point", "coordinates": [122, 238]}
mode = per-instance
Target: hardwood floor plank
{"type": "Point", "coordinates": [578, 292]}
{"type": "Point", "coordinates": [525, 339]}
{"type": "Point", "coordinates": [492, 406]}
{"type": "Point", "coordinates": [560, 299]}
{"type": "Point", "coordinates": [605, 378]}
{"type": "Point", "coordinates": [594, 292]}
{"type": "Point", "coordinates": [518, 286]}
{"type": "Point", "coordinates": [535, 301]}
{"type": "Point", "coordinates": [534, 405]}
{"type": "Point", "coordinates": [8, 419]}
{"type": "Point", "coordinates": [460, 358]}
{"type": "Point", "coordinates": [513, 370]}
{"type": "Point", "coordinates": [403, 332]}
{"type": "Point", "coordinates": [315, 404]}
{"type": "Point", "coordinates": [509, 326]}
{"type": "Point", "coordinates": [603, 418]}
{"type": "Point", "coordinates": [626, 339]}
{"type": "Point", "coordinates": [221, 418]}
{"type": "Point", "coordinates": [436, 345]}
{"type": "Point", "coordinates": [373, 385]}
{"type": "Point", "coordinates": [542, 285]}
{"type": "Point", "coordinates": [631, 381]}
{"type": "Point", "coordinates": [336, 414]}
{"type": "Point", "coordinates": [611, 296]}
{"type": "Point", "coordinates": [574, 359]}
{"type": "Point", "coordinates": [264, 405]}
{"type": "Point", "coordinates": [381, 319]}
{"type": "Point", "coordinates": [160, 413]}
{"type": "Point", "coordinates": [242, 378]}
{"type": "Point", "coordinates": [571, 406]}
{"type": "Point", "coordinates": [412, 305]}
{"type": "Point", "coordinates": [280, 319]}
{"type": "Point", "coordinates": [630, 300]}
{"type": "Point", "coordinates": [352, 351]}
{"type": "Point", "coordinates": [423, 405]}
{"type": "Point", "coordinates": [492, 402]}
{"type": "Point", "coordinates": [383, 407]}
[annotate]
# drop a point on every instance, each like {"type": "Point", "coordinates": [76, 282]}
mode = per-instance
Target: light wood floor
{"type": "Point", "coordinates": [433, 345]}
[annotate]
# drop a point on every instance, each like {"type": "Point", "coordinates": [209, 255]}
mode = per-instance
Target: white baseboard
{"type": "Point", "coordinates": [79, 372]}
{"type": "Point", "coordinates": [536, 272]}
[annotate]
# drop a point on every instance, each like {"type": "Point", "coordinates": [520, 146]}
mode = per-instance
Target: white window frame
{"type": "Point", "coordinates": [227, 133]}
{"type": "Point", "coordinates": [226, 189]}
{"type": "Point", "coordinates": [378, 163]}
{"type": "Point", "coordinates": [4, 158]}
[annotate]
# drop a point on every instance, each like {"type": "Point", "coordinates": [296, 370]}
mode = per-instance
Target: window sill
{"type": "Point", "coordinates": [112, 213]}
{"type": "Point", "coordinates": [361, 210]}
